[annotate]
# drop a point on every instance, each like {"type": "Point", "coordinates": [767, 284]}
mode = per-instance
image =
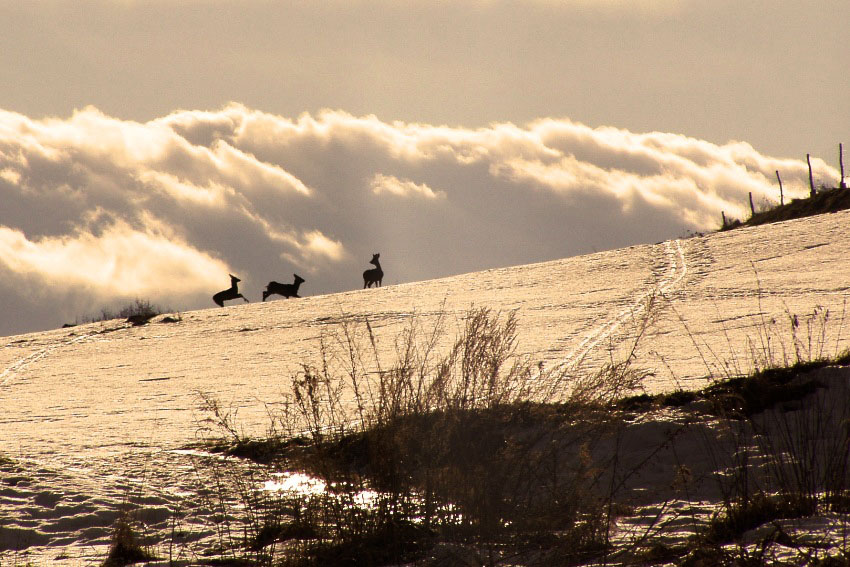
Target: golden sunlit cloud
{"type": "Point", "coordinates": [320, 245]}
{"type": "Point", "coordinates": [119, 261]}
{"type": "Point", "coordinates": [96, 207]}
{"type": "Point", "coordinates": [402, 188]}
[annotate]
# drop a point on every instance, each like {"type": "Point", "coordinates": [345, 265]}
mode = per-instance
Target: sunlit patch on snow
{"type": "Point", "coordinates": [293, 482]}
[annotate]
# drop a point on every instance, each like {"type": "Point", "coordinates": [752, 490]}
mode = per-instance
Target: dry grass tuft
{"type": "Point", "coordinates": [125, 548]}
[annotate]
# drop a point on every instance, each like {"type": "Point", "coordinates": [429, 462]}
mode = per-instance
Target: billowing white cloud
{"type": "Point", "coordinates": [98, 209]}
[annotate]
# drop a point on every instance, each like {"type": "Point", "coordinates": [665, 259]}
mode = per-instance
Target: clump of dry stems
{"type": "Point", "coordinates": [431, 439]}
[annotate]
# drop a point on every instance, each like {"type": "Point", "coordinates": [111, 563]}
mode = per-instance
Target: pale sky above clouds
{"type": "Point", "coordinates": [769, 72]}
{"type": "Point", "coordinates": [149, 147]}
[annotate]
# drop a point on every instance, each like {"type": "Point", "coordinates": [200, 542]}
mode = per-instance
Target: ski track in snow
{"type": "Point", "coordinates": [677, 269]}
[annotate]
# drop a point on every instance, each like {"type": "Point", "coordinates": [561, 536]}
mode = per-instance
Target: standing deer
{"type": "Point", "coordinates": [286, 290]}
{"type": "Point", "coordinates": [231, 293]}
{"type": "Point", "coordinates": [375, 275]}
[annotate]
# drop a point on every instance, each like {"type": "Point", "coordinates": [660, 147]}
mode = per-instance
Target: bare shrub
{"type": "Point", "coordinates": [138, 309]}
{"type": "Point", "coordinates": [351, 390]}
{"type": "Point", "coordinates": [464, 440]}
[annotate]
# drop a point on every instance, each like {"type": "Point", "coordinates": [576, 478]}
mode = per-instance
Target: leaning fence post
{"type": "Point", "coordinates": [781, 195]}
{"type": "Point", "coordinates": [752, 208]}
{"type": "Point", "coordinates": [811, 181]}
{"type": "Point", "coordinates": [723, 214]}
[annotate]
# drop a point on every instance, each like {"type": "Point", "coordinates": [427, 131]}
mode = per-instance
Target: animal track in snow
{"type": "Point", "coordinates": [22, 363]}
{"type": "Point", "coordinates": [677, 269]}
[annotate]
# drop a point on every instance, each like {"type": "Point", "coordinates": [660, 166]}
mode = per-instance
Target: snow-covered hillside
{"type": "Point", "coordinates": [95, 414]}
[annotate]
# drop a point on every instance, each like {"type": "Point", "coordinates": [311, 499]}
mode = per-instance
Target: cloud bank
{"type": "Point", "coordinates": [97, 210]}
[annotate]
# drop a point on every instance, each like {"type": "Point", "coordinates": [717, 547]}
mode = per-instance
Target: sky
{"type": "Point", "coordinates": [149, 148]}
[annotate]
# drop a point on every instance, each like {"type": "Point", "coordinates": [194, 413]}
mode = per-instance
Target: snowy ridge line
{"type": "Point", "coordinates": [675, 275]}
{"type": "Point", "coordinates": [22, 363]}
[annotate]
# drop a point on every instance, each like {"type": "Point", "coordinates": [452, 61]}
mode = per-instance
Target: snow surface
{"type": "Point", "coordinates": [95, 416]}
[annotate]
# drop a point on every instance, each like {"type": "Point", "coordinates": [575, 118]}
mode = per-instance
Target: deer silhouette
{"type": "Point", "coordinates": [286, 290]}
{"type": "Point", "coordinates": [375, 275]}
{"type": "Point", "coordinates": [230, 293]}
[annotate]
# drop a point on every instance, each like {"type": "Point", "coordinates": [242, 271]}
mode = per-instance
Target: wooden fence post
{"type": "Point", "coordinates": [752, 208]}
{"type": "Point", "coordinates": [723, 214]}
{"type": "Point", "coordinates": [781, 195]}
{"type": "Point", "coordinates": [811, 181]}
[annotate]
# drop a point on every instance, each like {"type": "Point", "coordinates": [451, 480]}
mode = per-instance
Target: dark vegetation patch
{"type": "Point", "coordinates": [459, 439]}
{"type": "Point", "coordinates": [645, 402]}
{"type": "Point", "coordinates": [392, 543]}
{"type": "Point", "coordinates": [678, 398]}
{"type": "Point", "coordinates": [276, 529]}
{"type": "Point", "coordinates": [745, 397]}
{"type": "Point", "coordinates": [742, 396]}
{"type": "Point", "coordinates": [264, 451]}
{"type": "Point", "coordinates": [824, 201]}
{"type": "Point", "coordinates": [661, 553]}
{"type": "Point", "coordinates": [139, 312]}
{"type": "Point", "coordinates": [752, 513]}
